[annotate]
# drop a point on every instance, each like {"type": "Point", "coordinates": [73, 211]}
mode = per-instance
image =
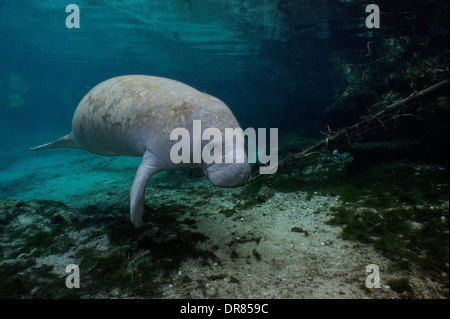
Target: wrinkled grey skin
{"type": "Point", "coordinates": [134, 115]}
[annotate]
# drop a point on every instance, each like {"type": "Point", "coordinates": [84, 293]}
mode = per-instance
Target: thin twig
{"type": "Point", "coordinates": [390, 112]}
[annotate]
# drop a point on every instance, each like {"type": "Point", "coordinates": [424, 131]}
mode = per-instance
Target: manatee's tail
{"type": "Point", "coordinates": [65, 141]}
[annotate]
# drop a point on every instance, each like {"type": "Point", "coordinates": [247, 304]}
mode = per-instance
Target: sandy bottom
{"type": "Point", "coordinates": [281, 248]}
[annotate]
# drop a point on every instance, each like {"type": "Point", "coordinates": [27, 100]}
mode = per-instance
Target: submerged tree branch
{"type": "Point", "coordinates": [392, 111]}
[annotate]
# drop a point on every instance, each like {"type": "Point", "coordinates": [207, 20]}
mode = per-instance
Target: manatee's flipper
{"type": "Point", "coordinates": [146, 169]}
{"type": "Point", "coordinates": [65, 141]}
{"type": "Point", "coordinates": [196, 172]}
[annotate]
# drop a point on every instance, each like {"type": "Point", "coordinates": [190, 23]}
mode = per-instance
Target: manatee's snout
{"type": "Point", "coordinates": [243, 175]}
{"type": "Point", "coordinates": [229, 175]}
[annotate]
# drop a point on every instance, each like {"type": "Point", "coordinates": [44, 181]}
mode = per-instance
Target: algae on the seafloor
{"type": "Point", "coordinates": [401, 208]}
{"type": "Point", "coordinates": [402, 286]}
{"type": "Point", "coordinates": [114, 258]}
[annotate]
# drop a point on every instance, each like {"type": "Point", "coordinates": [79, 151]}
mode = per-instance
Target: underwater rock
{"type": "Point", "coordinates": [211, 290]}
{"type": "Point", "coordinates": [366, 211]}
{"type": "Point", "coordinates": [415, 225]}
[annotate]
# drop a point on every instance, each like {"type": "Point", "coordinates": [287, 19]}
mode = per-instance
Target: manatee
{"type": "Point", "coordinates": [135, 114]}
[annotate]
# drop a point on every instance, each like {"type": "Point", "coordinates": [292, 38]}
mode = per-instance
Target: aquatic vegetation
{"type": "Point", "coordinates": [297, 229]}
{"type": "Point", "coordinates": [113, 256]}
{"type": "Point", "coordinates": [402, 286]}
{"type": "Point", "coordinates": [401, 209]}
{"type": "Point", "coordinates": [256, 254]}
{"type": "Point", "coordinates": [244, 239]}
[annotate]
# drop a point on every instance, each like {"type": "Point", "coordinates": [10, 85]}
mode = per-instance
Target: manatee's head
{"type": "Point", "coordinates": [228, 174]}
{"type": "Point", "coordinates": [223, 144]}
{"type": "Point", "coordinates": [227, 170]}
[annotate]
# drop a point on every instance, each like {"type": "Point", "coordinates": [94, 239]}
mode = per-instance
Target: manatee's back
{"type": "Point", "coordinates": [121, 115]}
